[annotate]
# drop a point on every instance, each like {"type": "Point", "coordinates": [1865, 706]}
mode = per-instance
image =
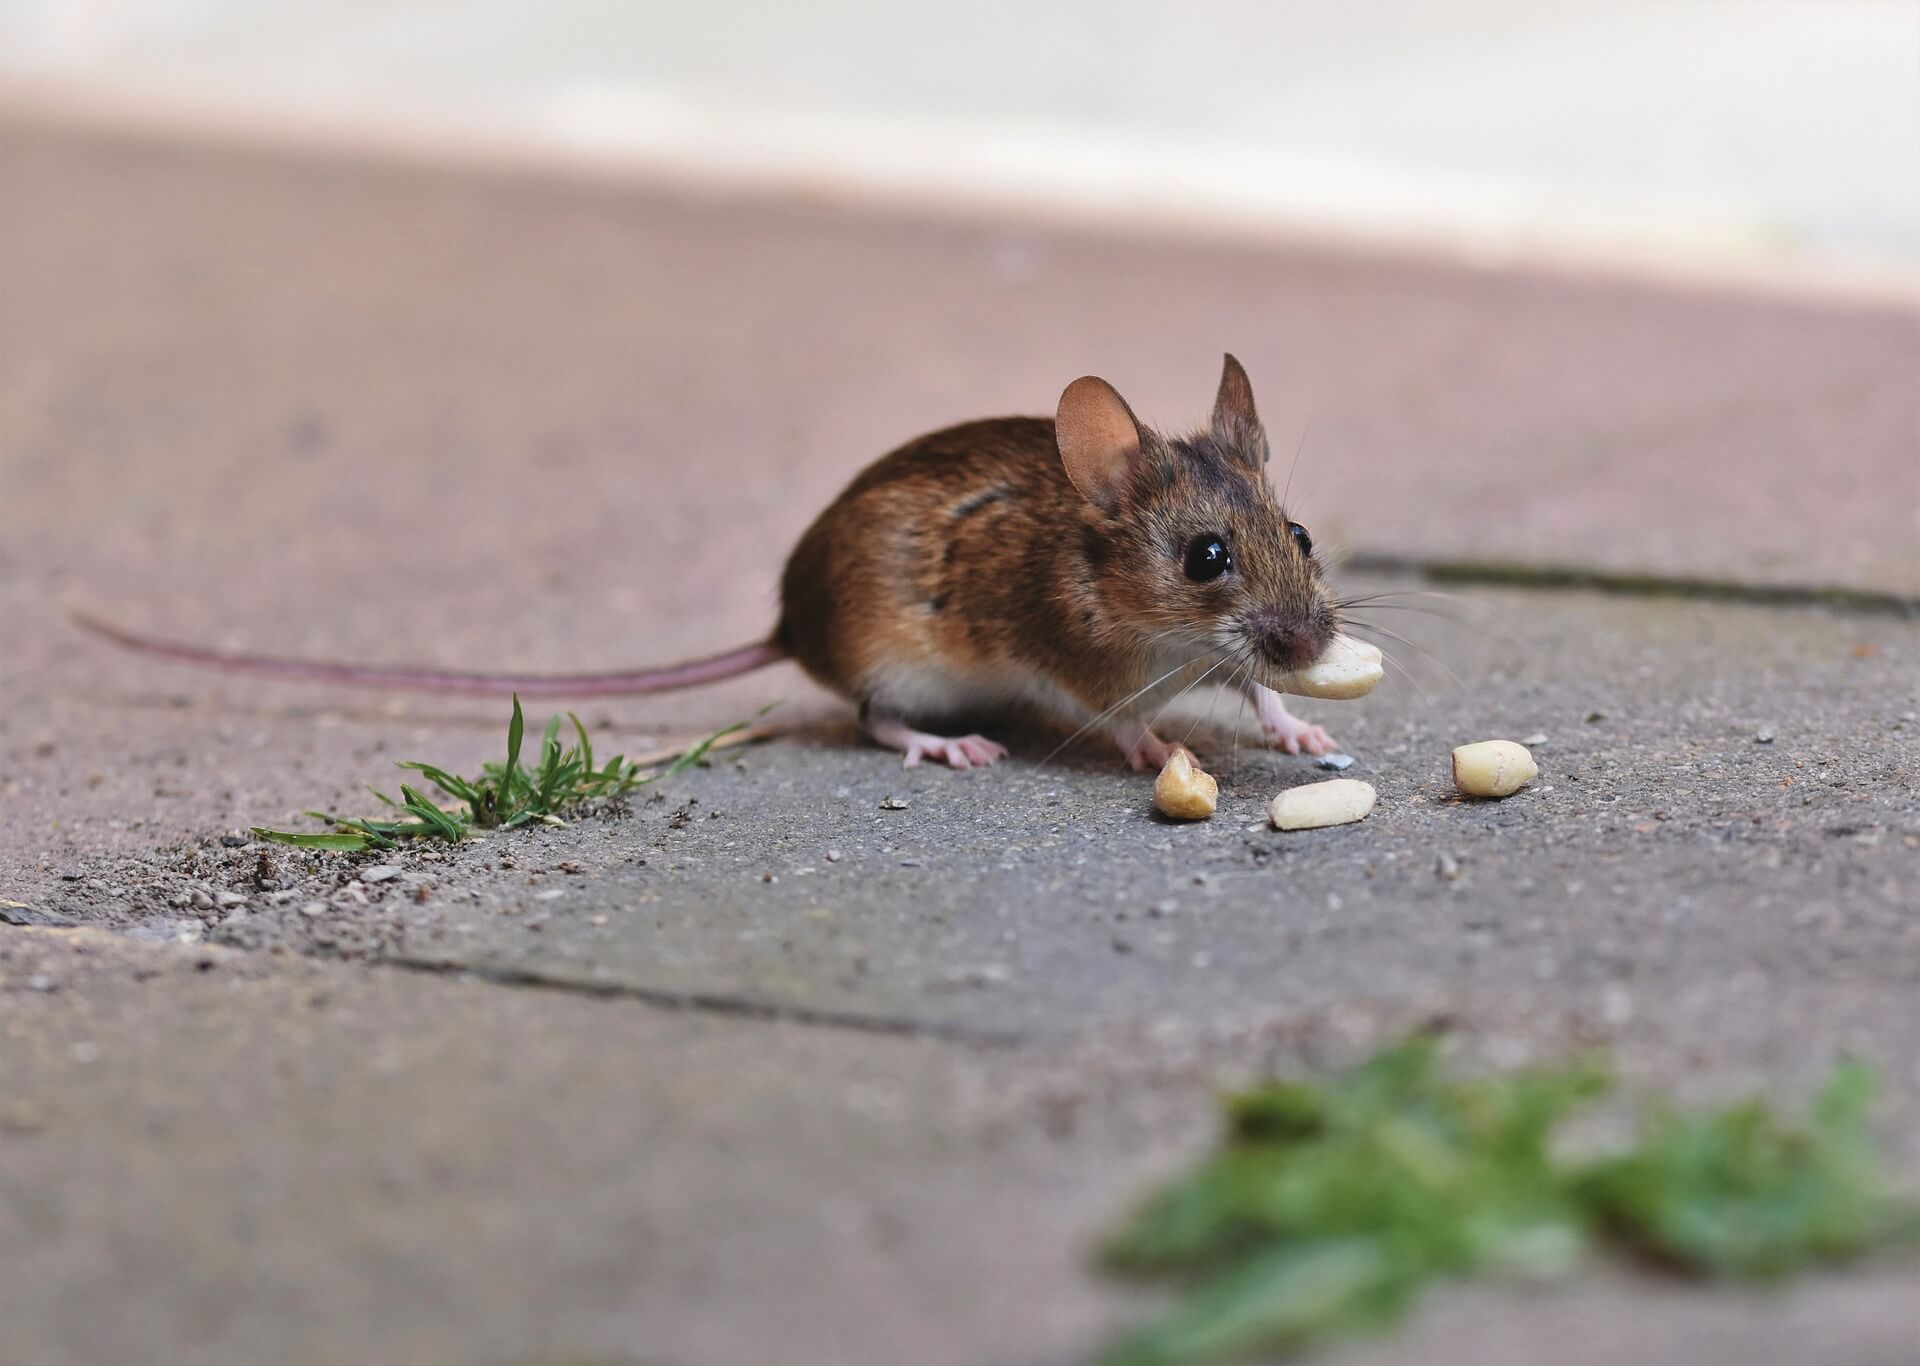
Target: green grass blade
{"type": "Point", "coordinates": [458, 788]}
{"type": "Point", "coordinates": [341, 843]}
{"type": "Point", "coordinates": [698, 750]}
{"type": "Point", "coordinates": [516, 732]}
{"type": "Point", "coordinates": [586, 745]}
{"type": "Point", "coordinates": [442, 822]}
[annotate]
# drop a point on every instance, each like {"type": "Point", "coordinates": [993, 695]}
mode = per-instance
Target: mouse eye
{"type": "Point", "coordinates": [1299, 534]}
{"type": "Point", "coordinates": [1207, 558]}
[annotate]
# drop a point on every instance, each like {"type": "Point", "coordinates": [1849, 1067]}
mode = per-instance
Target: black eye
{"type": "Point", "coordinates": [1299, 534]}
{"type": "Point", "coordinates": [1207, 558]}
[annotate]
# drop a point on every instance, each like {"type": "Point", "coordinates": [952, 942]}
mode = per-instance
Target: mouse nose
{"type": "Point", "coordinates": [1282, 639]}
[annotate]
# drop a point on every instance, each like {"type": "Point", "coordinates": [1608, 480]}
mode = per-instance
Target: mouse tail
{"type": "Point", "coordinates": [616, 683]}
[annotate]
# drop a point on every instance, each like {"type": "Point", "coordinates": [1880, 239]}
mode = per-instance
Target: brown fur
{"type": "Point", "coordinates": [971, 552]}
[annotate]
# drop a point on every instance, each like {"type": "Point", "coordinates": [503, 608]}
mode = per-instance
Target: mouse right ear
{"type": "Point", "coordinates": [1099, 440]}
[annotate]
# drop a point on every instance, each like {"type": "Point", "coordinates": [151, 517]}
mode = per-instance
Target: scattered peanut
{"type": "Point", "coordinates": [1349, 668]}
{"type": "Point", "coordinates": [1493, 768]}
{"type": "Point", "coordinates": [1183, 792]}
{"type": "Point", "coordinates": [1337, 801]}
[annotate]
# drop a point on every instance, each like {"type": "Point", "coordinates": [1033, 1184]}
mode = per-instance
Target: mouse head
{"type": "Point", "coordinates": [1194, 550]}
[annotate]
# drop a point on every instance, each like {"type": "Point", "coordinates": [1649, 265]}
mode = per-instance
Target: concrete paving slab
{"type": "Point", "coordinates": [225, 1157]}
{"type": "Point", "coordinates": [214, 1157]}
{"type": "Point", "coordinates": [1043, 898]}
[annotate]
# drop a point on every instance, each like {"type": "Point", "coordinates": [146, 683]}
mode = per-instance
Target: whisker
{"type": "Point", "coordinates": [1239, 723]}
{"type": "Point", "coordinates": [1211, 707]}
{"type": "Point", "coordinates": [1434, 612]}
{"type": "Point", "coordinates": [1412, 682]}
{"type": "Point", "coordinates": [1184, 691]}
{"type": "Point", "coordinates": [1188, 664]}
{"type": "Point", "coordinates": [1418, 649]}
{"type": "Point", "coordinates": [1238, 683]}
{"type": "Point", "coordinates": [1478, 618]}
{"type": "Point", "coordinates": [1408, 593]}
{"type": "Point", "coordinates": [1298, 447]}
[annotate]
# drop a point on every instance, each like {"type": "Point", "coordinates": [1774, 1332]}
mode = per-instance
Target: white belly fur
{"type": "Point", "coordinates": [923, 694]}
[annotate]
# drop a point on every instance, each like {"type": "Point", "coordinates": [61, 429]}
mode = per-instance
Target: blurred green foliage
{"type": "Point", "coordinates": [1330, 1205]}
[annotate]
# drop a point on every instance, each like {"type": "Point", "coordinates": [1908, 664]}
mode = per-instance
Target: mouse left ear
{"type": "Point", "coordinates": [1099, 440]}
{"type": "Point", "coordinates": [1235, 423]}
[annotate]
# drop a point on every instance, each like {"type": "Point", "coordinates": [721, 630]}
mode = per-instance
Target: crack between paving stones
{"type": "Point", "coordinates": [713, 1003]}
{"type": "Point", "coordinates": [1521, 574]}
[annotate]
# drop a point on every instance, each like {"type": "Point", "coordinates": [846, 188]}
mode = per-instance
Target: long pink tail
{"type": "Point", "coordinates": [627, 682]}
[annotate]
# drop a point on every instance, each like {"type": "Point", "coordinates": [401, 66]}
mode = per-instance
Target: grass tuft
{"type": "Point", "coordinates": [505, 795]}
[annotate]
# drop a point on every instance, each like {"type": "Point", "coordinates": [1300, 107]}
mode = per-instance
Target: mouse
{"type": "Point", "coordinates": [1084, 567]}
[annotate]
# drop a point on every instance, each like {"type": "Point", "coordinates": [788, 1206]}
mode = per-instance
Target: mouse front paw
{"type": "Point", "coordinates": [1142, 747]}
{"type": "Point", "coordinates": [1286, 731]}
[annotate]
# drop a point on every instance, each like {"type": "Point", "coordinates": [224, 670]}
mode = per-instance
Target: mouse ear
{"type": "Point", "coordinates": [1234, 419]}
{"type": "Point", "coordinates": [1099, 440]}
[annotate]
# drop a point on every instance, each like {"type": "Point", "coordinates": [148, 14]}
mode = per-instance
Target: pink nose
{"type": "Point", "coordinates": [1283, 639]}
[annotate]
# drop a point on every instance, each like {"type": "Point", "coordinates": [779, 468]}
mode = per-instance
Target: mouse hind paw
{"type": "Point", "coordinates": [959, 752]}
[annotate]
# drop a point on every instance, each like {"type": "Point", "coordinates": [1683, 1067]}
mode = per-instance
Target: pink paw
{"type": "Point", "coordinates": [1283, 729]}
{"type": "Point", "coordinates": [966, 751]}
{"type": "Point", "coordinates": [1294, 735]}
{"type": "Point", "coordinates": [1149, 751]}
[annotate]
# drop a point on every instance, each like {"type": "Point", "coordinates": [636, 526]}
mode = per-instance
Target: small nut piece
{"type": "Point", "coordinates": [1337, 801]}
{"type": "Point", "coordinates": [1348, 668]}
{"type": "Point", "coordinates": [1183, 792]}
{"type": "Point", "coordinates": [1493, 768]}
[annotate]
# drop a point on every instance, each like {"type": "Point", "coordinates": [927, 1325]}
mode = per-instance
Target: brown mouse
{"type": "Point", "coordinates": [1084, 567]}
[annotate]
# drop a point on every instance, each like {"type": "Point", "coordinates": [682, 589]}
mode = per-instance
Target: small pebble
{"type": "Point", "coordinates": [382, 872]}
{"type": "Point", "coordinates": [41, 982]}
{"type": "Point", "coordinates": [1593, 716]}
{"type": "Point", "coordinates": [314, 908]}
{"type": "Point", "coordinates": [1447, 868]}
{"type": "Point", "coordinates": [894, 804]}
{"type": "Point", "coordinates": [1763, 736]}
{"type": "Point", "coordinates": [236, 840]}
{"type": "Point", "coordinates": [22, 1117]}
{"type": "Point", "coordinates": [1339, 763]}
{"type": "Point", "coordinates": [232, 899]}
{"type": "Point", "coordinates": [833, 856]}
{"type": "Point", "coordinates": [1539, 737]}
{"type": "Point", "coordinates": [1616, 1004]}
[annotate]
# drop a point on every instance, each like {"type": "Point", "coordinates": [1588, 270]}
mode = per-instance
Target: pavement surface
{"type": "Point", "coordinates": [806, 1058]}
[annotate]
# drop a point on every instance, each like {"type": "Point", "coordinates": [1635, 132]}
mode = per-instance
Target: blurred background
{"type": "Point", "coordinates": [327, 289]}
{"type": "Point", "coordinates": [1775, 136]}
